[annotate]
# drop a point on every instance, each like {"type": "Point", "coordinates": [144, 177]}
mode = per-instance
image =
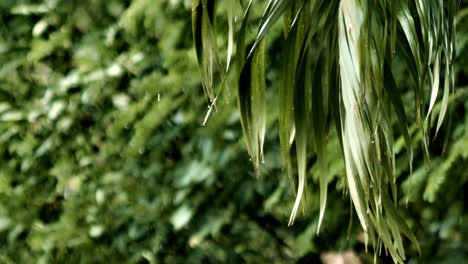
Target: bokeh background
{"type": "Point", "coordinates": [103, 158]}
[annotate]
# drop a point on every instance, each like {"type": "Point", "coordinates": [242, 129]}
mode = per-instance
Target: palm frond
{"type": "Point", "coordinates": [338, 63]}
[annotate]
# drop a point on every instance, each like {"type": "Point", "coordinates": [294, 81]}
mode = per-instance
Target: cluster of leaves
{"type": "Point", "coordinates": [104, 158]}
{"type": "Point", "coordinates": [339, 64]}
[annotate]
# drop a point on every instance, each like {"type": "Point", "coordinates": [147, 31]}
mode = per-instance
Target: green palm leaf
{"type": "Point", "coordinates": [338, 64]}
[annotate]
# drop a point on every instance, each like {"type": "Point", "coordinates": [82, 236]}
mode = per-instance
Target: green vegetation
{"type": "Point", "coordinates": [339, 67]}
{"type": "Point", "coordinates": [104, 157]}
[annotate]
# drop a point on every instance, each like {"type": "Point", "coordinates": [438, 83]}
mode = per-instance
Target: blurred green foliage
{"type": "Point", "coordinates": [104, 159]}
